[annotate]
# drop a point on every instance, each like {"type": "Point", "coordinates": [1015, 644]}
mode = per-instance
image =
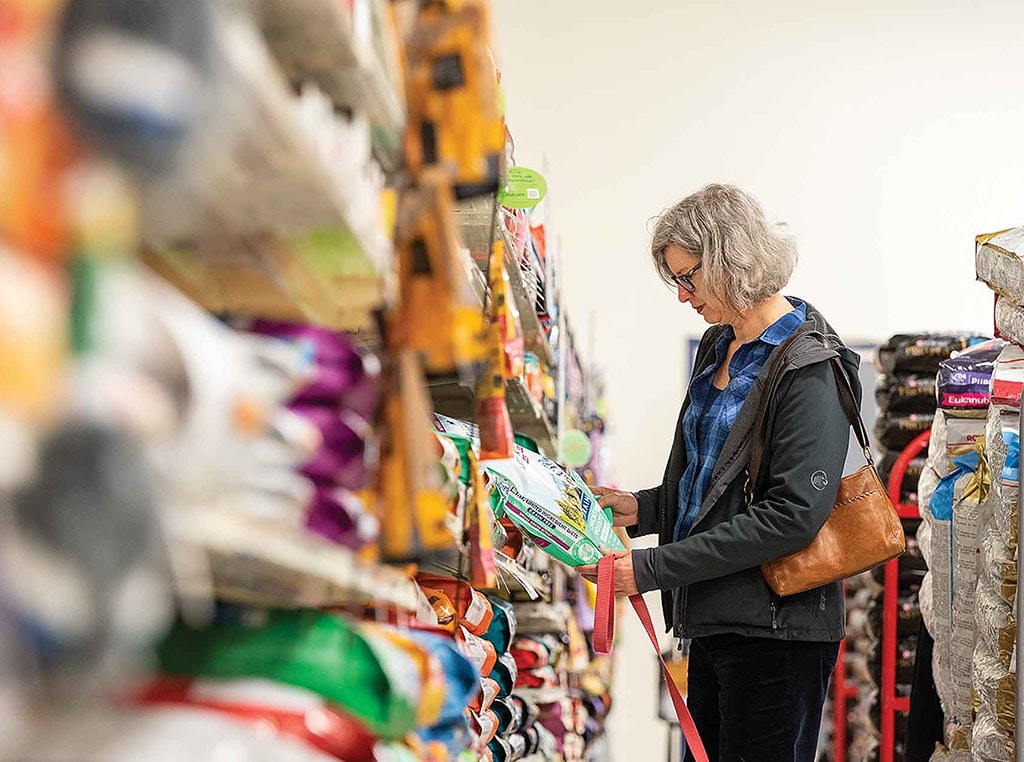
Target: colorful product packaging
{"type": "Point", "coordinates": [552, 505]}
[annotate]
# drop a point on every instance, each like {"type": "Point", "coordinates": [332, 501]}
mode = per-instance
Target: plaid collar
{"type": "Point", "coordinates": [778, 331]}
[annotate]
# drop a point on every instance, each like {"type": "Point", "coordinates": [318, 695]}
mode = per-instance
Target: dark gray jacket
{"type": "Point", "coordinates": [711, 581]}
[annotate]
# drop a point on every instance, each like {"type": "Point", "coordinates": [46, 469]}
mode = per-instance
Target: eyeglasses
{"type": "Point", "coordinates": [685, 280]}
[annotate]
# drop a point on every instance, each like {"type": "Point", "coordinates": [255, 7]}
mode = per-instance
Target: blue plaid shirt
{"type": "Point", "coordinates": [706, 426]}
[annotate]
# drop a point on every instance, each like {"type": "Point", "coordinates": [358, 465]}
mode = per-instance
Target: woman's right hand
{"type": "Point", "coordinates": [624, 507]}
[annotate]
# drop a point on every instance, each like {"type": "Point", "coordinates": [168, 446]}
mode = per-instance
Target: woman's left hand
{"type": "Point", "coordinates": [625, 580]}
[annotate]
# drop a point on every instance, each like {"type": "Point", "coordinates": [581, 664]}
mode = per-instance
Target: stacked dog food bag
{"type": "Point", "coordinates": [956, 492]}
{"type": "Point", "coordinates": [999, 265]}
{"type": "Point", "coordinates": [906, 400]}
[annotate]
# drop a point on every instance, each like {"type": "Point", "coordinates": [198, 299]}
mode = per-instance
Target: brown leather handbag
{"type": "Point", "coordinates": [863, 529]}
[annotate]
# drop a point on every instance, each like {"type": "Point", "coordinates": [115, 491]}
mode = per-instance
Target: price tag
{"type": "Point", "coordinates": [524, 188]}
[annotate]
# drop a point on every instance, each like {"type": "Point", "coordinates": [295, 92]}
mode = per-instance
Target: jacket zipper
{"type": "Point", "coordinates": [775, 619]}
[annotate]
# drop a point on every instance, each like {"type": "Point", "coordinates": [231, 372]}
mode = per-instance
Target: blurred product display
{"type": "Point", "coordinates": [248, 288]}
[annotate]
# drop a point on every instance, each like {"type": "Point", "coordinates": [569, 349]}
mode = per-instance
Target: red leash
{"type": "Point", "coordinates": [604, 634]}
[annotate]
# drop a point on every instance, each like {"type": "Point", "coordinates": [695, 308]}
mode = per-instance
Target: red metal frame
{"type": "Point", "coordinates": [891, 703]}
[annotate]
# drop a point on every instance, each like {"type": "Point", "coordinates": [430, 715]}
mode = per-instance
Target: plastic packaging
{"type": "Point", "coordinates": [964, 380]}
{"type": "Point", "coordinates": [291, 712]}
{"type": "Point", "coordinates": [1006, 508]}
{"type": "Point", "coordinates": [485, 697]}
{"type": "Point", "coordinates": [461, 678]}
{"type": "Point", "coordinates": [505, 314]}
{"type": "Point", "coordinates": [968, 498]}
{"type": "Point", "coordinates": [344, 376]}
{"type": "Point", "coordinates": [998, 262]}
{"type": "Point", "coordinates": [1008, 379]}
{"type": "Point", "coordinates": [473, 607]}
{"type": "Point", "coordinates": [1010, 320]}
{"type": "Point", "coordinates": [502, 631]}
{"type": "Point", "coordinates": [505, 674]}
{"type": "Point", "coordinates": [896, 431]}
{"type": "Point", "coordinates": [550, 504]}
{"type": "Point", "coordinates": [369, 677]}
{"type": "Point", "coordinates": [341, 516]}
{"type": "Point", "coordinates": [479, 651]}
{"type": "Point", "coordinates": [989, 742]}
{"type": "Point", "coordinates": [938, 456]}
{"type": "Point", "coordinates": [997, 689]}
{"type": "Point", "coordinates": [996, 623]}
{"type": "Point", "coordinates": [905, 394]}
{"type": "Point", "coordinates": [920, 353]}
{"type": "Point", "coordinates": [999, 564]}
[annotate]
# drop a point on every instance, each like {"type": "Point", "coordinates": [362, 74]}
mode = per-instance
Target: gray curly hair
{"type": "Point", "coordinates": [746, 258]}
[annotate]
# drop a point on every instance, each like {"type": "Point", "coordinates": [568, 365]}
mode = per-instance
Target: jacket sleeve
{"type": "Point", "coordinates": [810, 433]}
{"type": "Point", "coordinates": [647, 513]}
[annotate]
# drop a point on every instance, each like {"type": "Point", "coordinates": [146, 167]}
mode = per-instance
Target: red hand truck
{"type": "Point", "coordinates": [891, 703]}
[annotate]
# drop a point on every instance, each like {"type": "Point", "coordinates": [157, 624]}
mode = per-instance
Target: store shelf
{"type": "Point", "coordinates": [542, 618]}
{"type": "Point", "coordinates": [338, 46]}
{"type": "Point", "coordinates": [251, 221]}
{"type": "Point", "coordinates": [514, 580]}
{"type": "Point", "coordinates": [478, 233]}
{"type": "Point", "coordinates": [260, 563]}
{"type": "Point", "coordinates": [457, 400]}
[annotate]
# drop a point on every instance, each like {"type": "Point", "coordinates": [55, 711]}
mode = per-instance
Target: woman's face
{"type": "Point", "coordinates": [680, 261]}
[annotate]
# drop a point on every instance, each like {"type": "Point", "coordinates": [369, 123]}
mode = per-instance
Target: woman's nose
{"type": "Point", "coordinates": [684, 295]}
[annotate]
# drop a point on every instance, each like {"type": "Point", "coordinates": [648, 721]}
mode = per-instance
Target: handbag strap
{"type": "Point", "coordinates": [847, 400]}
{"type": "Point", "coordinates": [604, 634]}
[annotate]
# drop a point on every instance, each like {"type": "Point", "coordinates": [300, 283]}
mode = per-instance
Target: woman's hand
{"type": "Point", "coordinates": [623, 504]}
{"type": "Point", "coordinates": [625, 580]}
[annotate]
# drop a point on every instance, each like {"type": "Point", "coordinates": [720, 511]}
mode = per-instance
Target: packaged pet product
{"type": "Point", "coordinates": [552, 505]}
{"type": "Point", "coordinates": [997, 260]}
{"type": "Point", "coordinates": [905, 394]}
{"type": "Point", "coordinates": [1008, 379]}
{"type": "Point", "coordinates": [999, 563]}
{"type": "Point", "coordinates": [964, 380]}
{"type": "Point", "coordinates": [912, 475]}
{"type": "Point", "coordinates": [997, 689]}
{"type": "Point", "coordinates": [897, 431]}
{"type": "Point", "coordinates": [967, 500]}
{"type": "Point", "coordinates": [989, 742]}
{"type": "Point", "coordinates": [996, 623]}
{"type": "Point", "coordinates": [920, 353]}
{"type": "Point", "coordinates": [1006, 508]}
{"type": "Point", "coordinates": [950, 488]}
{"type": "Point", "coordinates": [938, 456]}
{"type": "Point", "coordinates": [1010, 320]}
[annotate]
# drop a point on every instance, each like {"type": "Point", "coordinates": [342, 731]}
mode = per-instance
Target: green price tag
{"type": "Point", "coordinates": [524, 188]}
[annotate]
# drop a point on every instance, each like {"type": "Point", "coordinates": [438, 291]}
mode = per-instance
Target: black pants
{"type": "Point", "coordinates": [758, 700]}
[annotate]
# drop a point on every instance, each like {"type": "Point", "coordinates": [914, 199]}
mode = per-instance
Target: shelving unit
{"type": "Point", "coordinates": [262, 563]}
{"type": "Point", "coordinates": [329, 42]}
{"type": "Point", "coordinates": [253, 223]}
{"type": "Point", "coordinates": [457, 400]}
{"type": "Point", "coordinates": [515, 581]}
{"type": "Point", "coordinates": [282, 202]}
{"type": "Point", "coordinates": [475, 222]}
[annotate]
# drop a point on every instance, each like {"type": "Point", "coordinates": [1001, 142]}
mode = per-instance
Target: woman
{"type": "Point", "coordinates": [759, 664]}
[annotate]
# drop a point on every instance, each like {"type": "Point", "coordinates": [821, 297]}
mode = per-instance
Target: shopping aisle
{"type": "Point", "coordinates": [289, 405]}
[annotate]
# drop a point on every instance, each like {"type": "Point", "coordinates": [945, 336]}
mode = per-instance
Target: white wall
{"type": "Point", "coordinates": [887, 133]}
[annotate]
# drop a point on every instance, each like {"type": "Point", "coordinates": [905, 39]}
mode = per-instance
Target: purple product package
{"type": "Point", "coordinates": [340, 516]}
{"type": "Point", "coordinates": [348, 455]}
{"type": "Point", "coordinates": [964, 382]}
{"type": "Point", "coordinates": [343, 375]}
